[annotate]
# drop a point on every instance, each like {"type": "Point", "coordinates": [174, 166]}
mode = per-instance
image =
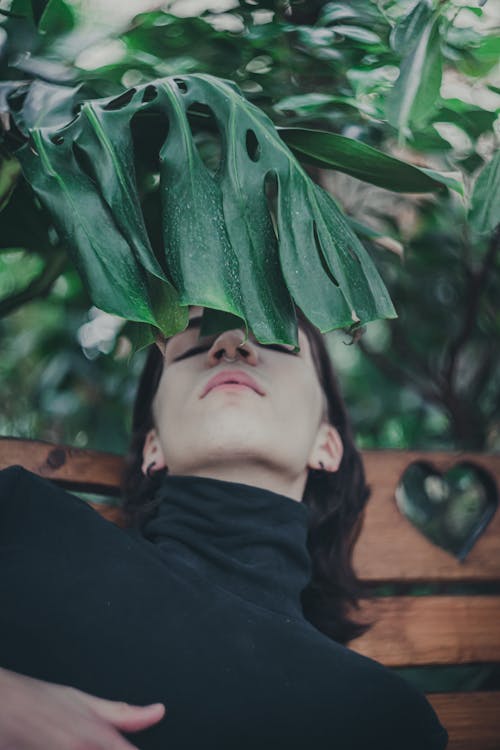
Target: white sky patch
{"type": "Point", "coordinates": [454, 135]}
{"type": "Point", "coordinates": [188, 8]}
{"type": "Point", "coordinates": [105, 53]}
{"type": "Point", "coordinates": [226, 22]}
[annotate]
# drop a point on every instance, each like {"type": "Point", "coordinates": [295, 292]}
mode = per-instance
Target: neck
{"type": "Point", "coordinates": [249, 541]}
{"type": "Point", "coordinates": [255, 475]}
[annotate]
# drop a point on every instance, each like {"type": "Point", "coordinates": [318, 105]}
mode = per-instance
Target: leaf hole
{"type": "Point", "coordinates": [271, 194]}
{"type": "Point", "coordinates": [150, 93]}
{"type": "Point", "coordinates": [181, 85]}
{"type": "Point", "coordinates": [253, 145]}
{"type": "Point", "coordinates": [84, 162]}
{"type": "Point", "coordinates": [149, 130]}
{"type": "Point", "coordinates": [120, 101]}
{"type": "Point", "coordinates": [17, 98]}
{"type": "Point", "coordinates": [322, 258]}
{"type": "Point", "coordinates": [206, 135]}
{"type": "Point", "coordinates": [57, 139]}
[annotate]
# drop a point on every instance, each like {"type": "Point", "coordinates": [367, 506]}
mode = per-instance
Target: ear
{"type": "Point", "coordinates": [327, 449]}
{"type": "Point", "coordinates": [152, 452]}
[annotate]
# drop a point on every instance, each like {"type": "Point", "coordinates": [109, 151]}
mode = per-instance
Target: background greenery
{"type": "Point", "coordinates": [418, 80]}
{"type": "Point", "coordinates": [431, 378]}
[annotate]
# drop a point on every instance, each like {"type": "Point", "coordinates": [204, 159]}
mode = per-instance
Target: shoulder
{"type": "Point", "coordinates": [19, 484]}
{"type": "Point", "coordinates": [30, 501]}
{"type": "Point", "coordinates": [403, 713]}
{"type": "Point", "coordinates": [393, 714]}
{"type": "Point", "coordinates": [10, 478]}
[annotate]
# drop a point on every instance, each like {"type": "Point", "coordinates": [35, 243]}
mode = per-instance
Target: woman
{"type": "Point", "coordinates": [244, 492]}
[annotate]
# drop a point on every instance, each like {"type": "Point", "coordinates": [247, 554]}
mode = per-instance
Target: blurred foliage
{"type": "Point", "coordinates": [429, 378]}
{"type": "Point", "coordinates": [418, 80]}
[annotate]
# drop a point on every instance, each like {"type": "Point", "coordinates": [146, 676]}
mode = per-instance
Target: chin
{"type": "Point", "coordinates": [232, 438]}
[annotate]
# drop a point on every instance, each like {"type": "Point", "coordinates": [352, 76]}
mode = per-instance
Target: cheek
{"type": "Point", "coordinates": [167, 402]}
{"type": "Point", "coordinates": [301, 403]}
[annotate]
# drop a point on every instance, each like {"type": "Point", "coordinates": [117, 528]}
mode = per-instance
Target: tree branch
{"type": "Point", "coordinates": [476, 285]}
{"type": "Point", "coordinates": [401, 375]}
{"type": "Point", "coordinates": [39, 287]}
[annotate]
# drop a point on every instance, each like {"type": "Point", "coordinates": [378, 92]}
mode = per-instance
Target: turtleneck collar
{"type": "Point", "coordinates": [242, 538]}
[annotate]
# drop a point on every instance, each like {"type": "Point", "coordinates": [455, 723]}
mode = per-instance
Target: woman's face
{"type": "Point", "coordinates": [273, 423]}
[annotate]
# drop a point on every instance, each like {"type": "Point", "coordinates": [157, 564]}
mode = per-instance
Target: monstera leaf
{"type": "Point", "coordinates": [253, 237]}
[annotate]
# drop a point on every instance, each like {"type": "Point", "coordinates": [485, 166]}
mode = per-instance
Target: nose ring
{"type": "Point", "coordinates": [229, 359]}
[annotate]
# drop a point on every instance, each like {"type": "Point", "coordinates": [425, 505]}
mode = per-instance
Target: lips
{"type": "Point", "coordinates": [232, 376]}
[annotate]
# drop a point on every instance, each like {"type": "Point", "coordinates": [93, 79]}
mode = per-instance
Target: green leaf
{"type": "Point", "coordinates": [332, 151]}
{"type": "Point", "coordinates": [484, 214]}
{"type": "Point", "coordinates": [365, 13]}
{"type": "Point", "coordinates": [116, 283]}
{"type": "Point", "coordinates": [7, 88]}
{"type": "Point", "coordinates": [319, 250]}
{"type": "Point", "coordinates": [410, 25]}
{"type": "Point", "coordinates": [252, 239]}
{"type": "Point", "coordinates": [304, 102]}
{"type": "Point", "coordinates": [332, 12]}
{"type": "Point", "coordinates": [357, 33]}
{"type": "Point", "coordinates": [413, 97]}
{"type": "Point", "coordinates": [48, 105]}
{"type": "Point", "coordinates": [473, 120]}
{"type": "Point", "coordinates": [58, 18]}
{"type": "Point", "coordinates": [9, 173]}
{"type": "Point", "coordinates": [18, 9]}
{"type": "Point", "coordinates": [140, 335]}
{"type": "Point", "coordinates": [428, 140]}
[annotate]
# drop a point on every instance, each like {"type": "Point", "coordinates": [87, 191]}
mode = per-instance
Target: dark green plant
{"type": "Point", "coordinates": [230, 238]}
{"type": "Point", "coordinates": [322, 72]}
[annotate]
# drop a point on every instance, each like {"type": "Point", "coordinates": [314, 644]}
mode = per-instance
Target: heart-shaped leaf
{"type": "Point", "coordinates": [451, 510]}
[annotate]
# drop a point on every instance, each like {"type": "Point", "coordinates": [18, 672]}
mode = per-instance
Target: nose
{"type": "Point", "coordinates": [229, 346]}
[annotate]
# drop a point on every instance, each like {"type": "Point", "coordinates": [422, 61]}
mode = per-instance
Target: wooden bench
{"type": "Point", "coordinates": [410, 630]}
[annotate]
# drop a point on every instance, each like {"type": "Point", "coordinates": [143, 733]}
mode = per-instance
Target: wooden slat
{"type": "Point", "coordinates": [424, 630]}
{"type": "Point", "coordinates": [112, 513]}
{"type": "Point", "coordinates": [471, 719]}
{"type": "Point", "coordinates": [391, 549]}
{"type": "Point", "coordinates": [74, 468]}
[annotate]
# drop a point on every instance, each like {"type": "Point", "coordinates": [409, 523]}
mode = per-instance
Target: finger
{"type": "Point", "coordinates": [140, 717]}
{"type": "Point", "coordinates": [123, 715]}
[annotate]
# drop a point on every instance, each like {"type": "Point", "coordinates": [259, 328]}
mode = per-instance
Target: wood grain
{"type": "Point", "coordinates": [74, 468]}
{"type": "Point", "coordinates": [425, 630]}
{"type": "Point", "coordinates": [471, 719]}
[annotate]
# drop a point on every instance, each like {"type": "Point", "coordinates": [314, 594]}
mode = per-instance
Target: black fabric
{"type": "Point", "coordinates": [199, 610]}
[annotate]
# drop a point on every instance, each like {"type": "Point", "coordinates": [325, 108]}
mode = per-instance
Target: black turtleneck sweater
{"type": "Point", "coordinates": [200, 610]}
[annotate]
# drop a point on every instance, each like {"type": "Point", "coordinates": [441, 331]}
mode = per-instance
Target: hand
{"type": "Point", "coordinates": [37, 715]}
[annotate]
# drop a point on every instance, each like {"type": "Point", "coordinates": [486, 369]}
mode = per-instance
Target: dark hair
{"type": "Point", "coordinates": [337, 499]}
